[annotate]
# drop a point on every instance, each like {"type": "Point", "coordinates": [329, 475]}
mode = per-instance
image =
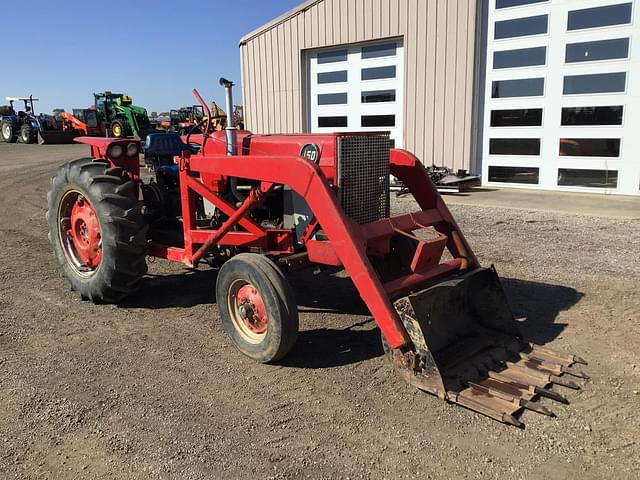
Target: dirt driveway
{"type": "Point", "coordinates": [153, 388]}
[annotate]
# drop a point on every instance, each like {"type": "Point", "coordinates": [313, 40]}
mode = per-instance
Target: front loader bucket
{"type": "Point", "coordinates": [468, 349]}
{"type": "Point", "coordinates": [51, 137]}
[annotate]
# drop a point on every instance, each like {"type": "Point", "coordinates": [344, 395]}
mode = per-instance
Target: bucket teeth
{"type": "Point", "coordinates": [511, 420]}
{"type": "Point", "coordinates": [535, 407]}
{"type": "Point", "coordinates": [556, 369]}
{"type": "Point", "coordinates": [545, 392]}
{"type": "Point", "coordinates": [554, 355]}
{"type": "Point", "coordinates": [467, 349]}
{"type": "Point", "coordinates": [565, 383]}
{"type": "Point", "coordinates": [541, 391]}
{"type": "Point", "coordinates": [578, 359]}
{"type": "Point", "coordinates": [577, 374]}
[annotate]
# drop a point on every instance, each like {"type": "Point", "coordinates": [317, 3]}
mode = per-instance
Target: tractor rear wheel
{"type": "Point", "coordinates": [8, 132]}
{"type": "Point", "coordinates": [119, 128]}
{"type": "Point", "coordinates": [27, 135]}
{"type": "Point", "coordinates": [257, 307]}
{"type": "Point", "coordinates": [97, 229]}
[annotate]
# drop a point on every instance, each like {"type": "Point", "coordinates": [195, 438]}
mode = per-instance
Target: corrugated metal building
{"type": "Point", "coordinates": [527, 93]}
{"type": "Point", "coordinates": [407, 66]}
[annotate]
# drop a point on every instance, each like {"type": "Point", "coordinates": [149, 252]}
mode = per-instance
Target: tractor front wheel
{"type": "Point", "coordinates": [8, 132]}
{"type": "Point", "coordinates": [27, 135]}
{"type": "Point", "coordinates": [97, 230]}
{"type": "Point", "coordinates": [118, 128]}
{"type": "Point", "coordinates": [257, 307]}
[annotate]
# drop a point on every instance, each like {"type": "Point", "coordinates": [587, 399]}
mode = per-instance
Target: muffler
{"type": "Point", "coordinates": [468, 349]}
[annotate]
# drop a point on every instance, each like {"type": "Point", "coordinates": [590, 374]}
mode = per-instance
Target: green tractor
{"type": "Point", "coordinates": [121, 117]}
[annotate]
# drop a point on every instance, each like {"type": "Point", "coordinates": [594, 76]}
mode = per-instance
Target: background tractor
{"type": "Point", "coordinates": [86, 121]}
{"type": "Point", "coordinates": [121, 117]}
{"type": "Point", "coordinates": [183, 120]}
{"type": "Point", "coordinates": [27, 127]}
{"type": "Point", "coordinates": [257, 206]}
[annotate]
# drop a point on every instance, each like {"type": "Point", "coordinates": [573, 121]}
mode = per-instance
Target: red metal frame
{"type": "Point", "coordinates": [100, 149]}
{"type": "Point", "coordinates": [348, 244]}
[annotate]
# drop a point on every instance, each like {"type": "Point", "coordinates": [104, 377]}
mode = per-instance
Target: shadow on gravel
{"type": "Point", "coordinates": [186, 289]}
{"type": "Point", "coordinates": [540, 304]}
{"type": "Point", "coordinates": [328, 347]}
{"type": "Point", "coordinates": [325, 292]}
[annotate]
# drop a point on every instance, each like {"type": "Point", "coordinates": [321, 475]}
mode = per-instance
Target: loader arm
{"type": "Point", "coordinates": [408, 169]}
{"type": "Point", "coordinates": [133, 122]}
{"type": "Point", "coordinates": [307, 180]}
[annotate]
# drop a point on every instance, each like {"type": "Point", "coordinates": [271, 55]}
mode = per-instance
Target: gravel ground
{"type": "Point", "coordinates": [153, 388]}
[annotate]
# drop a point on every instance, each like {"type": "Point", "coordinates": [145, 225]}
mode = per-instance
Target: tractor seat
{"type": "Point", "coordinates": [167, 144]}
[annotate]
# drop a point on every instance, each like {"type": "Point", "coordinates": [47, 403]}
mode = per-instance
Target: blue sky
{"type": "Point", "coordinates": [156, 51]}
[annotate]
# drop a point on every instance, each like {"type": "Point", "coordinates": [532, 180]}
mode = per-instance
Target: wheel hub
{"type": "Point", "coordinates": [84, 233]}
{"type": "Point", "coordinates": [252, 309]}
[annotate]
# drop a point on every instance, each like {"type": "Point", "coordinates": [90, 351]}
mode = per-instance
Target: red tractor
{"type": "Point", "coordinates": [256, 206]}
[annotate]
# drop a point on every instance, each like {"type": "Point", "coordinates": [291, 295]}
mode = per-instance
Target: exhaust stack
{"type": "Point", "coordinates": [230, 130]}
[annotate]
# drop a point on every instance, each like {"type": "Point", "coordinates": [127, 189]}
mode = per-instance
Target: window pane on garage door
{"type": "Point", "coordinates": [590, 147]}
{"type": "Point", "coordinates": [332, 99]}
{"type": "Point", "coordinates": [364, 94]}
{"type": "Point", "coordinates": [573, 177]}
{"type": "Point", "coordinates": [332, 77]}
{"type": "Point", "coordinates": [520, 117]}
{"type": "Point", "coordinates": [595, 83]}
{"type": "Point", "coordinates": [522, 57]}
{"type": "Point", "coordinates": [600, 50]}
{"type": "Point", "coordinates": [332, 122]}
{"type": "Point", "coordinates": [379, 96]}
{"type": "Point", "coordinates": [574, 116]}
{"type": "Point", "coordinates": [376, 73]}
{"type": "Point", "coordinates": [520, 27]}
{"type": "Point", "coordinates": [599, 16]}
{"type": "Point", "coordinates": [526, 87]}
{"type": "Point", "coordinates": [332, 56]}
{"type": "Point", "coordinates": [527, 175]}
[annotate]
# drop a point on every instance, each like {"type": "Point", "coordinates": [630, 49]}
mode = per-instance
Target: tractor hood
{"type": "Point", "coordinates": [319, 148]}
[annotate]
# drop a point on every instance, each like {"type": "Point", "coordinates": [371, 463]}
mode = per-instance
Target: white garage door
{"type": "Point", "coordinates": [563, 95]}
{"type": "Point", "coordinates": [357, 88]}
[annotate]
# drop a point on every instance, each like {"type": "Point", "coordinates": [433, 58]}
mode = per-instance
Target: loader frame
{"type": "Point", "coordinates": [348, 243]}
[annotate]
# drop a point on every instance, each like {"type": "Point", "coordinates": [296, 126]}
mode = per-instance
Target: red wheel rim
{"type": "Point", "coordinates": [80, 232]}
{"type": "Point", "coordinates": [248, 311]}
{"type": "Point", "coordinates": [252, 309]}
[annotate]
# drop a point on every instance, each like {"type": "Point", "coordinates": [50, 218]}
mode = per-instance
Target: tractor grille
{"type": "Point", "coordinates": [363, 176]}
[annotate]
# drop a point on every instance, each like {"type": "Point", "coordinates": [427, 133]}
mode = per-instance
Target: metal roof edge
{"type": "Point", "coordinates": [278, 20]}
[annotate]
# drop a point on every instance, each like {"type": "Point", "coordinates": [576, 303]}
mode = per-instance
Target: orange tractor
{"type": "Point", "coordinates": [256, 206]}
{"type": "Point", "coordinates": [84, 121]}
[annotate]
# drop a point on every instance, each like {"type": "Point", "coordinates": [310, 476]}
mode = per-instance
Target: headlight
{"type": "Point", "coordinates": [116, 151]}
{"type": "Point", "coordinates": [132, 150]}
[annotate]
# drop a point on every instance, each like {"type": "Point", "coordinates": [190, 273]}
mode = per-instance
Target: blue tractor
{"type": "Point", "coordinates": [27, 127]}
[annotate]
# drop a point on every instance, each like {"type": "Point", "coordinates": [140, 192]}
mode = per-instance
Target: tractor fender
{"type": "Point", "coordinates": [100, 145]}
